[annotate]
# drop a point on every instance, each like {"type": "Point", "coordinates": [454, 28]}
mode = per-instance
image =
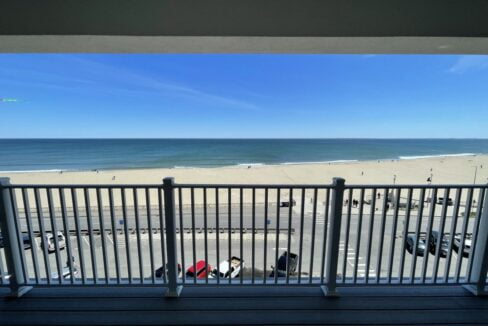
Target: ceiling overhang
{"type": "Point", "coordinates": [244, 26]}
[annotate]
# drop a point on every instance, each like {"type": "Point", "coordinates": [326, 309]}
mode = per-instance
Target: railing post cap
{"type": "Point", "coordinates": [4, 181]}
{"type": "Point", "coordinates": [337, 181]}
{"type": "Point", "coordinates": [168, 181]}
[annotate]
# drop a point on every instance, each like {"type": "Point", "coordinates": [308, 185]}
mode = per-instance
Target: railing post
{"type": "Point", "coordinates": [11, 245]}
{"type": "Point", "coordinates": [169, 217]}
{"type": "Point", "coordinates": [480, 258]}
{"type": "Point", "coordinates": [334, 237]}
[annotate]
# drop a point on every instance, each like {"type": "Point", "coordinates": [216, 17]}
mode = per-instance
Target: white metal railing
{"type": "Point", "coordinates": [177, 235]}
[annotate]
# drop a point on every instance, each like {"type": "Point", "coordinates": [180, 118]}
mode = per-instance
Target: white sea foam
{"type": "Point", "coordinates": [34, 171]}
{"type": "Point", "coordinates": [250, 164]}
{"type": "Point", "coordinates": [319, 162]}
{"type": "Point", "coordinates": [431, 156]}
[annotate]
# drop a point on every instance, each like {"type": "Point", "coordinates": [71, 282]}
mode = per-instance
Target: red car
{"type": "Point", "coordinates": [201, 269]}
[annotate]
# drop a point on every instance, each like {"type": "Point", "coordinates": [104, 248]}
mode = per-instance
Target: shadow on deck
{"type": "Point", "coordinates": [245, 305]}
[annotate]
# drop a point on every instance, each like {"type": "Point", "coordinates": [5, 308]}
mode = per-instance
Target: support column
{"type": "Point", "coordinates": [11, 245]}
{"type": "Point", "coordinates": [480, 258]}
{"type": "Point", "coordinates": [334, 237]}
{"type": "Point", "coordinates": [174, 289]}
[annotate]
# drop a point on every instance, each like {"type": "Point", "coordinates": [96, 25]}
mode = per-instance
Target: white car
{"type": "Point", "coordinates": [49, 240]}
{"type": "Point", "coordinates": [235, 268]}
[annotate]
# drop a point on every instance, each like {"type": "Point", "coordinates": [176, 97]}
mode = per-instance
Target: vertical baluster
{"type": "Point", "coordinates": [300, 248]}
{"type": "Point", "coordinates": [161, 231]}
{"type": "Point", "coordinates": [28, 218]}
{"type": "Point", "coordinates": [150, 233]}
{"type": "Point", "coordinates": [393, 233]}
{"type": "Point", "coordinates": [405, 233]}
{"type": "Point", "coordinates": [241, 226]}
{"type": "Point", "coordinates": [76, 216]}
{"type": "Point", "coordinates": [463, 234]}
{"type": "Point", "coordinates": [417, 236]}
{"type": "Point", "coordinates": [217, 232]}
{"type": "Point", "coordinates": [114, 233]}
{"type": "Point", "coordinates": [193, 241]}
{"type": "Point", "coordinates": [324, 240]}
{"type": "Point", "coordinates": [182, 231]}
{"type": "Point", "coordinates": [370, 232]}
{"type": "Point", "coordinates": [429, 231]}
{"type": "Point", "coordinates": [126, 234]}
{"type": "Point", "coordinates": [474, 240]}
{"type": "Point", "coordinates": [54, 229]}
{"type": "Point", "coordinates": [290, 214]}
{"type": "Point", "coordinates": [358, 235]}
{"type": "Point", "coordinates": [101, 219]}
{"type": "Point", "coordinates": [277, 246]}
{"type": "Point", "coordinates": [314, 224]}
{"type": "Point", "coordinates": [138, 235]}
{"type": "Point", "coordinates": [382, 236]}
{"type": "Point", "coordinates": [229, 200]}
{"type": "Point", "coordinates": [90, 235]}
{"type": "Point", "coordinates": [265, 276]}
{"type": "Point", "coordinates": [440, 235]}
{"type": "Point", "coordinates": [452, 232]}
{"type": "Point", "coordinates": [346, 240]}
{"type": "Point", "coordinates": [253, 248]}
{"type": "Point", "coordinates": [205, 230]}
{"type": "Point", "coordinates": [70, 258]}
{"type": "Point", "coordinates": [40, 218]}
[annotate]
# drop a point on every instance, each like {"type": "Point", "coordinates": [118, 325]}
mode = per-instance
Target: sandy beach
{"type": "Point", "coordinates": [444, 170]}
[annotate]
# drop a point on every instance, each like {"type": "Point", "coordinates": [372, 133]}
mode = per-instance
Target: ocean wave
{"type": "Point", "coordinates": [431, 156]}
{"type": "Point", "coordinates": [250, 164]}
{"type": "Point", "coordinates": [319, 162]}
{"type": "Point", "coordinates": [34, 171]}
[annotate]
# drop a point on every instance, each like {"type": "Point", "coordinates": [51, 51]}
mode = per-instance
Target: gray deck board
{"type": "Point", "coordinates": [246, 306]}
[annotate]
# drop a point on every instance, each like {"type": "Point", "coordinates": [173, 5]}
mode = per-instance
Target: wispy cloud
{"type": "Point", "coordinates": [130, 81]}
{"type": "Point", "coordinates": [468, 63]}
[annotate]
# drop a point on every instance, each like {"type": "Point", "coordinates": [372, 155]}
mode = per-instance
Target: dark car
{"type": "Point", "coordinates": [467, 244]}
{"type": "Point", "coordinates": [440, 201]}
{"type": "Point", "coordinates": [434, 241]}
{"type": "Point", "coordinates": [25, 239]}
{"type": "Point", "coordinates": [281, 268]}
{"type": "Point", "coordinates": [410, 245]}
{"type": "Point", "coordinates": [159, 272]}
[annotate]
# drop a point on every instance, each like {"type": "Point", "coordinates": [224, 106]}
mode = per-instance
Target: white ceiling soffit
{"type": "Point", "coordinates": [244, 26]}
{"type": "Point", "coordinates": [242, 44]}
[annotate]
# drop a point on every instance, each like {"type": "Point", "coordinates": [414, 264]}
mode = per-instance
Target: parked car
{"type": "Point", "coordinates": [25, 239]}
{"type": "Point", "coordinates": [49, 240]}
{"type": "Point", "coordinates": [440, 201]}
{"type": "Point", "coordinates": [467, 244]}
{"type": "Point", "coordinates": [231, 270]}
{"type": "Point", "coordinates": [281, 268]}
{"type": "Point", "coordinates": [164, 269]}
{"type": "Point", "coordinates": [287, 203]}
{"type": "Point", "coordinates": [421, 244]}
{"type": "Point", "coordinates": [434, 240]}
{"type": "Point", "coordinates": [200, 270]}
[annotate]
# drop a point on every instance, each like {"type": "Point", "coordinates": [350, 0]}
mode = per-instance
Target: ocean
{"type": "Point", "coordinates": [89, 154]}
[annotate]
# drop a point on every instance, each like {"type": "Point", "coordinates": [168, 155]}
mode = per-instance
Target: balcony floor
{"type": "Point", "coordinates": [245, 305]}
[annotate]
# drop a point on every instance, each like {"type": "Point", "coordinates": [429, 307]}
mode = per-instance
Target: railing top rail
{"type": "Point", "coordinates": [416, 186]}
{"type": "Point", "coordinates": [249, 186]}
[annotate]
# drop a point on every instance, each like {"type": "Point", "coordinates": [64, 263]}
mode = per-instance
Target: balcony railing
{"type": "Point", "coordinates": [177, 235]}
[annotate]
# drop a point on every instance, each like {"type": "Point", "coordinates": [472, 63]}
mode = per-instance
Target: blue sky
{"type": "Point", "coordinates": [251, 96]}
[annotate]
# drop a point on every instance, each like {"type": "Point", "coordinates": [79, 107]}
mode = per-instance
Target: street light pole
{"type": "Point", "coordinates": [475, 172]}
